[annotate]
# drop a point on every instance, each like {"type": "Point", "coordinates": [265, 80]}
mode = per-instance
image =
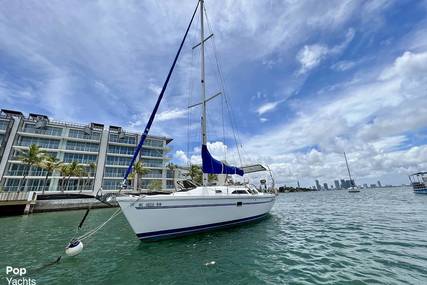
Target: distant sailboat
{"type": "Point", "coordinates": [353, 188]}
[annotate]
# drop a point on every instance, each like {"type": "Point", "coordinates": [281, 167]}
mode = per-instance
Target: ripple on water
{"type": "Point", "coordinates": [374, 237]}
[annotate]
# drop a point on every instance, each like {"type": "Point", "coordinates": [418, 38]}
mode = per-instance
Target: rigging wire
{"type": "Point", "coordinates": [229, 107]}
{"type": "Point", "coordinates": [190, 91]}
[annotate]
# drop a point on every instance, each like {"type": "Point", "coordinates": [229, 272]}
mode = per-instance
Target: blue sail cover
{"type": "Point", "coordinates": [211, 165]}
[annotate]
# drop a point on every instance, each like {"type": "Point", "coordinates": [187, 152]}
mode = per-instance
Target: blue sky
{"type": "Point", "coordinates": [307, 80]}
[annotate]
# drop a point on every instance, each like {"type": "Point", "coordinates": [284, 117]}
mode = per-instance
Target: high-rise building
{"type": "Point", "coordinates": [104, 153]}
{"type": "Point", "coordinates": [318, 187]}
{"type": "Point", "coordinates": [365, 185]}
{"type": "Point", "coordinates": [379, 183]}
{"type": "Point", "coordinates": [343, 185]}
{"type": "Point", "coordinates": [325, 186]}
{"type": "Point", "coordinates": [337, 184]}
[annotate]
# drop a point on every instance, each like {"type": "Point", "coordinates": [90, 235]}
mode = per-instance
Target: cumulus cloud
{"type": "Point", "coordinates": [171, 115]}
{"type": "Point", "coordinates": [368, 119]}
{"type": "Point", "coordinates": [310, 56]}
{"type": "Point", "coordinates": [218, 149]}
{"type": "Point", "coordinates": [181, 157]}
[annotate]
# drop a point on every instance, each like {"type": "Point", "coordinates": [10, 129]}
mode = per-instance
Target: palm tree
{"type": "Point", "coordinates": [196, 174]}
{"type": "Point", "coordinates": [33, 156]}
{"type": "Point", "coordinates": [79, 171]}
{"type": "Point", "coordinates": [138, 172]}
{"type": "Point", "coordinates": [50, 164]}
{"type": "Point", "coordinates": [65, 169]}
{"type": "Point", "coordinates": [155, 185]}
{"type": "Point", "coordinates": [92, 170]}
{"type": "Point", "coordinates": [174, 169]}
{"type": "Point", "coordinates": [72, 170]}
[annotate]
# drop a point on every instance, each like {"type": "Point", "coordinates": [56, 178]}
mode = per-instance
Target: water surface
{"type": "Point", "coordinates": [335, 237]}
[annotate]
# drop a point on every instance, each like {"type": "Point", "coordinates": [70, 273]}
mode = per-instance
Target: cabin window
{"type": "Point", "coordinates": [239, 192]}
{"type": "Point", "coordinates": [218, 191]}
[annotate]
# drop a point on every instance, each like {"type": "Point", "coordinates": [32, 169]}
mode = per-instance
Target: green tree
{"type": "Point", "coordinates": [155, 185]}
{"type": "Point", "coordinates": [91, 172]}
{"type": "Point", "coordinates": [137, 172]}
{"type": "Point", "coordinates": [174, 169]}
{"type": "Point", "coordinates": [32, 156]}
{"type": "Point", "coordinates": [50, 164]}
{"type": "Point", "coordinates": [79, 171]}
{"type": "Point", "coordinates": [65, 169]}
{"type": "Point", "coordinates": [212, 177]}
{"type": "Point", "coordinates": [73, 169]}
{"type": "Point", "coordinates": [196, 174]}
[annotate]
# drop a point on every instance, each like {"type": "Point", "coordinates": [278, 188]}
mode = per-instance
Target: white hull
{"type": "Point", "coordinates": [163, 216]}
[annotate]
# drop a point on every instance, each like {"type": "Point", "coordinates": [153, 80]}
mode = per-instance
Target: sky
{"type": "Point", "coordinates": [302, 81]}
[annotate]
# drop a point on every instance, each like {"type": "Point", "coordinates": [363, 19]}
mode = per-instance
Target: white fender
{"type": "Point", "coordinates": [74, 248]}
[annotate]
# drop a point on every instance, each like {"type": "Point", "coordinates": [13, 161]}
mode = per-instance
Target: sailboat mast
{"type": "Point", "coordinates": [348, 169]}
{"type": "Point", "coordinates": [202, 81]}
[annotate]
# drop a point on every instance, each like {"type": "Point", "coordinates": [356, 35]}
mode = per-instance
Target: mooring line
{"type": "Point", "coordinates": [79, 238]}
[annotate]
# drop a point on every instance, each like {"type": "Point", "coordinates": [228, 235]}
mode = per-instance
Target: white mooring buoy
{"type": "Point", "coordinates": [74, 248]}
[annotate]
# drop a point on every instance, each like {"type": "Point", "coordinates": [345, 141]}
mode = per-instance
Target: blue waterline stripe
{"type": "Point", "coordinates": [182, 231]}
{"type": "Point", "coordinates": [202, 205]}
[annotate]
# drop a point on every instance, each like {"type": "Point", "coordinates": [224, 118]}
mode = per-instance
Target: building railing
{"type": "Point", "coordinates": [153, 175]}
{"type": "Point", "coordinates": [27, 188]}
{"type": "Point", "coordinates": [149, 164]}
{"type": "Point", "coordinates": [154, 143]}
{"type": "Point", "coordinates": [81, 135]}
{"type": "Point", "coordinates": [14, 196]}
{"type": "Point", "coordinates": [152, 153]}
{"type": "Point", "coordinates": [26, 173]}
{"type": "Point", "coordinates": [94, 148]}
{"type": "Point", "coordinates": [3, 125]}
{"type": "Point", "coordinates": [53, 145]}
{"type": "Point", "coordinates": [49, 131]}
{"type": "Point", "coordinates": [126, 140]}
{"type": "Point", "coordinates": [120, 150]}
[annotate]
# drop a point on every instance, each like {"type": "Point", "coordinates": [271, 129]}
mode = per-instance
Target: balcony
{"type": "Point", "coordinates": [3, 125]}
{"type": "Point", "coordinates": [22, 172]}
{"type": "Point", "coordinates": [153, 175]}
{"type": "Point", "coordinates": [151, 164]}
{"type": "Point", "coordinates": [79, 134]}
{"type": "Point", "coordinates": [48, 131]}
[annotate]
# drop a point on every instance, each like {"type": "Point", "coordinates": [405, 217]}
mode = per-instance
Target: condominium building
{"type": "Point", "coordinates": [318, 187]}
{"type": "Point", "coordinates": [104, 152]}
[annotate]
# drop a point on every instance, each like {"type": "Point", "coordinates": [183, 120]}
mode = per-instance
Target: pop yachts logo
{"type": "Point", "coordinates": [16, 276]}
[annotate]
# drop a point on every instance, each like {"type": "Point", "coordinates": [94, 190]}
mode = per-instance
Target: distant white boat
{"type": "Point", "coordinates": [353, 188]}
{"type": "Point", "coordinates": [419, 182]}
{"type": "Point", "coordinates": [195, 208]}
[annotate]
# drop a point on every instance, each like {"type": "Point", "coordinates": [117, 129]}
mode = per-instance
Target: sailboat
{"type": "Point", "coordinates": [353, 188]}
{"type": "Point", "coordinates": [195, 208]}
